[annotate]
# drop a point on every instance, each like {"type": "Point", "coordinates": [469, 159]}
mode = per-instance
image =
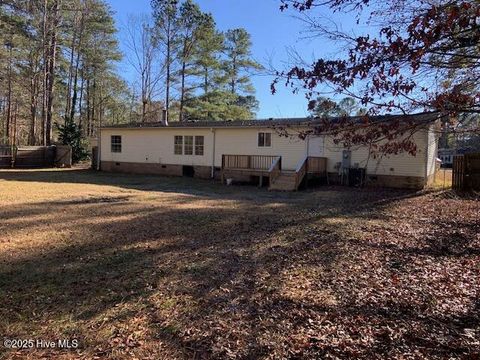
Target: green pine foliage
{"type": "Point", "coordinates": [59, 64]}
{"type": "Point", "coordinates": [71, 134]}
{"type": "Point", "coordinates": [325, 107]}
{"type": "Point", "coordinates": [213, 69]}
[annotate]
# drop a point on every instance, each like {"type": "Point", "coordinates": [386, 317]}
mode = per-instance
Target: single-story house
{"type": "Point", "coordinates": [247, 149]}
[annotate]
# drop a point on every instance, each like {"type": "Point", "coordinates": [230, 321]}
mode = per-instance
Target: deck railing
{"type": "Point", "coordinates": [275, 170]}
{"type": "Point", "coordinates": [300, 171]}
{"type": "Point", "coordinates": [310, 165]}
{"type": "Point", "coordinates": [248, 162]}
{"type": "Point", "coordinates": [317, 165]}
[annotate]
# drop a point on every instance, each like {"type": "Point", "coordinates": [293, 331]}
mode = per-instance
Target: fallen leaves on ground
{"type": "Point", "coordinates": [173, 272]}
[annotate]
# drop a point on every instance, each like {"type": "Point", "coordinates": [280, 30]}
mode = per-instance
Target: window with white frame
{"type": "Point", "coordinates": [116, 144]}
{"type": "Point", "coordinates": [178, 147]}
{"type": "Point", "coordinates": [188, 145]}
{"type": "Point", "coordinates": [199, 145]}
{"type": "Point", "coordinates": [264, 139]}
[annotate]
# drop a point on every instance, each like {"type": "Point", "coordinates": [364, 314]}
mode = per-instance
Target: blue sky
{"type": "Point", "coordinates": [273, 34]}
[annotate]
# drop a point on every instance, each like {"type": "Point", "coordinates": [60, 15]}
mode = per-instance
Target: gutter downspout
{"type": "Point", "coordinates": [426, 157]}
{"type": "Point", "coordinates": [431, 129]}
{"type": "Point", "coordinates": [213, 154]}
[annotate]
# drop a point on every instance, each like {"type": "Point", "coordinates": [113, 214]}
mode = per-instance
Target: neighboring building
{"type": "Point", "coordinates": [446, 156]}
{"type": "Point", "coordinates": [244, 149]}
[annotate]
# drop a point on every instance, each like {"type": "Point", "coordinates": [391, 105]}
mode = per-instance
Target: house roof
{"type": "Point", "coordinates": [420, 118]}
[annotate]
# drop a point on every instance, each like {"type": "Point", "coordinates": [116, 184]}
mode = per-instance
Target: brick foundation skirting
{"type": "Point", "coordinates": [202, 172]}
{"type": "Point", "coordinates": [390, 181]}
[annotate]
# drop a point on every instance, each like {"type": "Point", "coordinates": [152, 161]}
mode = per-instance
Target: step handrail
{"type": "Point", "coordinates": [275, 169]}
{"type": "Point", "coordinates": [301, 171]}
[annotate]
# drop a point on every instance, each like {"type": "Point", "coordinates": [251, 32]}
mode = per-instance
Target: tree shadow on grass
{"type": "Point", "coordinates": [127, 260]}
{"type": "Point", "coordinates": [248, 281]}
{"type": "Point", "coordinates": [184, 185]}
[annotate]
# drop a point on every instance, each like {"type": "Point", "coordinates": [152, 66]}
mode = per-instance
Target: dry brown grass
{"type": "Point", "coordinates": [443, 179]}
{"type": "Point", "coordinates": [149, 267]}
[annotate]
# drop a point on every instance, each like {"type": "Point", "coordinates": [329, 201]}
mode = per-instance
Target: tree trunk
{"type": "Point", "coordinates": [33, 109]}
{"type": "Point", "coordinates": [14, 125]}
{"type": "Point", "coordinates": [51, 72]}
{"type": "Point", "coordinates": [88, 93]}
{"type": "Point", "coordinates": [80, 113]}
{"type": "Point", "coordinates": [169, 55]}
{"type": "Point", "coordinates": [75, 75]}
{"type": "Point", "coordinates": [144, 109]}
{"type": "Point", "coordinates": [100, 110]}
{"type": "Point", "coordinates": [75, 90]}
{"type": "Point", "coordinates": [9, 96]}
{"type": "Point", "coordinates": [70, 74]}
{"type": "Point", "coordinates": [205, 80]}
{"type": "Point", "coordinates": [93, 101]}
{"type": "Point", "coordinates": [45, 73]}
{"type": "Point", "coordinates": [234, 77]}
{"type": "Point", "coordinates": [182, 97]}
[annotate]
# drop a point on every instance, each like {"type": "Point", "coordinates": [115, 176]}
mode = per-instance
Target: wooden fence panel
{"type": "Point", "coordinates": [35, 156]}
{"type": "Point", "coordinates": [472, 171]}
{"type": "Point", "coordinates": [466, 172]}
{"type": "Point", "coordinates": [458, 172]}
{"type": "Point", "coordinates": [63, 156]}
{"type": "Point", "coordinates": [5, 156]}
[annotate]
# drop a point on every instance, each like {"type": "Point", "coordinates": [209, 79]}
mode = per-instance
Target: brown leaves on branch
{"type": "Point", "coordinates": [383, 135]}
{"type": "Point", "coordinates": [429, 61]}
{"type": "Point", "coordinates": [304, 5]}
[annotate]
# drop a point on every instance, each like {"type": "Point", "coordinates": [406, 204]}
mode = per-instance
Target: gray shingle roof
{"type": "Point", "coordinates": [425, 117]}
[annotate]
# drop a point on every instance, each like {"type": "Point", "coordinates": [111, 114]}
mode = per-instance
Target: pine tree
{"type": "Point", "coordinates": [99, 52]}
{"type": "Point", "coordinates": [216, 105]}
{"type": "Point", "coordinates": [14, 37]}
{"type": "Point", "coordinates": [165, 14]}
{"type": "Point", "coordinates": [210, 44]}
{"type": "Point", "coordinates": [239, 64]}
{"type": "Point", "coordinates": [56, 66]}
{"type": "Point", "coordinates": [192, 26]}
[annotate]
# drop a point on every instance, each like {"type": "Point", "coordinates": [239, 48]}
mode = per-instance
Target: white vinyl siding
{"type": "Point", "coordinates": [400, 165]}
{"type": "Point", "coordinates": [244, 141]}
{"type": "Point", "coordinates": [157, 146]}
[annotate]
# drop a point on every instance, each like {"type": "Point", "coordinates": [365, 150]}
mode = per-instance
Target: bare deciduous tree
{"type": "Point", "coordinates": [144, 58]}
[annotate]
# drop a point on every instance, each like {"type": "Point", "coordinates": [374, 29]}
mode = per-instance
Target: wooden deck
{"type": "Point", "coordinates": [248, 162]}
{"type": "Point", "coordinates": [271, 167]}
{"type": "Point", "coordinates": [251, 165]}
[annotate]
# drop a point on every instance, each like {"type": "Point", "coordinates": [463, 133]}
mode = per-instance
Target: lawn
{"type": "Point", "coordinates": [172, 268]}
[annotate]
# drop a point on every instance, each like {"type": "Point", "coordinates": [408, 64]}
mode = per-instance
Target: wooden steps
{"type": "Point", "coordinates": [260, 166]}
{"type": "Point", "coordinates": [286, 181]}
